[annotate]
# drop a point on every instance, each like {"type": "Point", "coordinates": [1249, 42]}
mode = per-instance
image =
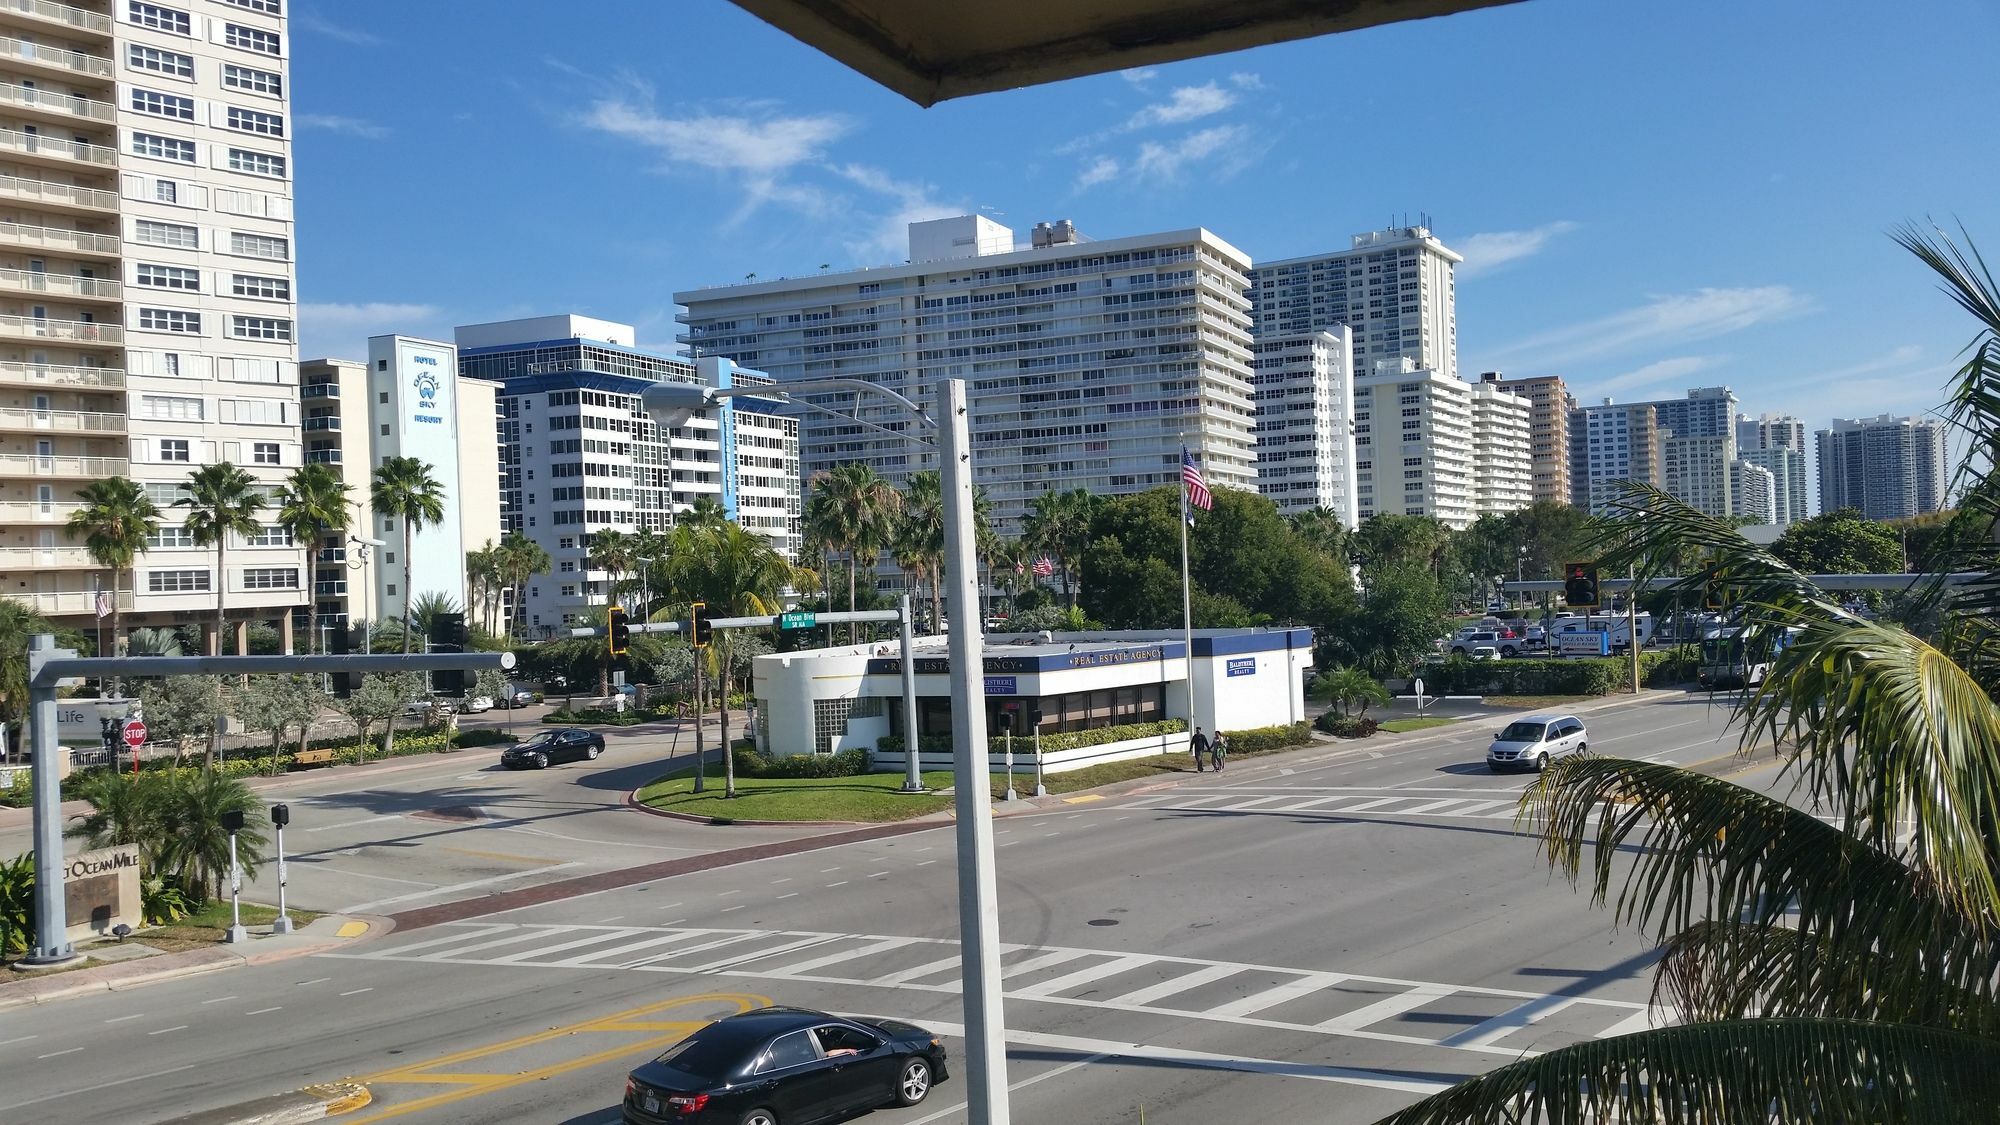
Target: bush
{"type": "Point", "coordinates": [1345, 726]}
{"type": "Point", "coordinates": [483, 738]}
{"type": "Point", "coordinates": [1263, 740]}
{"type": "Point", "coordinates": [1065, 740]}
{"type": "Point", "coordinates": [844, 763]}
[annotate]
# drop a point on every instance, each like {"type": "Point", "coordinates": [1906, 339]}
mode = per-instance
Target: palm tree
{"type": "Point", "coordinates": [312, 503]}
{"type": "Point", "coordinates": [1059, 524]}
{"type": "Point", "coordinates": [222, 500]}
{"type": "Point", "coordinates": [483, 574]}
{"type": "Point", "coordinates": [611, 552]}
{"type": "Point", "coordinates": [859, 515]}
{"type": "Point", "coordinates": [521, 558]}
{"type": "Point", "coordinates": [919, 544]}
{"type": "Point", "coordinates": [1348, 687]}
{"type": "Point", "coordinates": [404, 489]}
{"type": "Point", "coordinates": [1839, 971]}
{"type": "Point", "coordinates": [1322, 530]}
{"type": "Point", "coordinates": [196, 847]}
{"type": "Point", "coordinates": [116, 518]}
{"type": "Point", "coordinates": [705, 510]}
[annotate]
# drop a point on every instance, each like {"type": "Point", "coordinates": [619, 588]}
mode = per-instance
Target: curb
{"type": "Point", "coordinates": [314, 1103]}
{"type": "Point", "coordinates": [119, 976]}
{"type": "Point", "coordinates": [632, 802]}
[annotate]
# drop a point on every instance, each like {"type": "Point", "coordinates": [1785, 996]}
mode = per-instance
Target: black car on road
{"type": "Point", "coordinates": [551, 746]}
{"type": "Point", "coordinates": [785, 1066]}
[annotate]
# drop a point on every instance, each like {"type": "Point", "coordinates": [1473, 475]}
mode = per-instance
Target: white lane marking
{"type": "Point", "coordinates": [726, 894]}
{"type": "Point", "coordinates": [1376, 803]}
{"type": "Point", "coordinates": [1272, 997]}
{"type": "Point", "coordinates": [21, 1039]}
{"type": "Point", "coordinates": [608, 921]}
{"type": "Point", "coordinates": [182, 1027]}
{"type": "Point", "coordinates": [630, 947]}
{"type": "Point", "coordinates": [315, 980]}
{"type": "Point", "coordinates": [219, 999]}
{"type": "Point", "coordinates": [1491, 1031]}
{"type": "Point", "coordinates": [351, 823]}
{"type": "Point", "coordinates": [1431, 806]}
{"type": "Point", "coordinates": [731, 962]}
{"type": "Point", "coordinates": [122, 1019]}
{"type": "Point", "coordinates": [74, 1091]}
{"type": "Point", "coordinates": [727, 909]}
{"type": "Point", "coordinates": [1387, 1009]}
{"type": "Point", "coordinates": [925, 970]}
{"type": "Point", "coordinates": [58, 1054]}
{"type": "Point", "coordinates": [1645, 1019]}
{"type": "Point", "coordinates": [523, 934]}
{"type": "Point", "coordinates": [876, 874]}
{"type": "Point", "coordinates": [1146, 997]}
{"type": "Point", "coordinates": [782, 898]}
{"type": "Point", "coordinates": [367, 907]}
{"type": "Point", "coordinates": [883, 945]}
{"type": "Point", "coordinates": [482, 928]}
{"type": "Point", "coordinates": [258, 1012]}
{"type": "Point", "coordinates": [841, 883]}
{"type": "Point", "coordinates": [786, 879]}
{"type": "Point", "coordinates": [344, 872]}
{"type": "Point", "coordinates": [1085, 976]}
{"type": "Point", "coordinates": [357, 991]}
{"type": "Point", "coordinates": [1647, 731]}
{"type": "Point", "coordinates": [925, 862]}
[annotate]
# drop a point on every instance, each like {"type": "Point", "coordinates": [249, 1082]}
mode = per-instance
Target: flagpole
{"type": "Point", "coordinates": [1187, 596]}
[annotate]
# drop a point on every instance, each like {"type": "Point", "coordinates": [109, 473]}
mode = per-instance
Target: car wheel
{"type": "Point", "coordinates": [541, 761]}
{"type": "Point", "coordinates": [760, 1116]}
{"type": "Point", "coordinates": [1509, 651]}
{"type": "Point", "coordinates": [1582, 746]}
{"type": "Point", "coordinates": [591, 752]}
{"type": "Point", "coordinates": [914, 1084]}
{"type": "Point", "coordinates": [1541, 762]}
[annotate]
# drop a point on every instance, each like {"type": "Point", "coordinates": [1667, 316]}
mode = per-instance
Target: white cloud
{"type": "Point", "coordinates": [1184, 104]}
{"type": "Point", "coordinates": [1244, 80]}
{"type": "Point", "coordinates": [334, 123]}
{"type": "Point", "coordinates": [341, 330]}
{"type": "Point", "coordinates": [319, 25]}
{"type": "Point", "coordinates": [1672, 319]}
{"type": "Point", "coordinates": [1902, 356]}
{"type": "Point", "coordinates": [912, 203]}
{"type": "Point", "coordinates": [1139, 76]}
{"type": "Point", "coordinates": [1488, 251]}
{"type": "Point", "coordinates": [1101, 170]}
{"type": "Point", "coordinates": [1229, 143]}
{"type": "Point", "coordinates": [1654, 374]}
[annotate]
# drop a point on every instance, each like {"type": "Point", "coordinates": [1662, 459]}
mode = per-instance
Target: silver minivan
{"type": "Point", "coordinates": [1533, 741]}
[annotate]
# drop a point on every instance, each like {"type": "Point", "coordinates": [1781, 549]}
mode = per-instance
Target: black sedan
{"type": "Point", "coordinates": [566, 744]}
{"type": "Point", "coordinates": [785, 1066]}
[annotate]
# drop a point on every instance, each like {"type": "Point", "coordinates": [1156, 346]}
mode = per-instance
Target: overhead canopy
{"type": "Point", "coordinates": [933, 50]}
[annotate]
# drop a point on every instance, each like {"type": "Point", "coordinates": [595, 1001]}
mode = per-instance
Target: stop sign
{"type": "Point", "coordinates": [135, 734]}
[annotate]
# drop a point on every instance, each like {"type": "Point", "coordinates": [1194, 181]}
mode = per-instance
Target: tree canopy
{"type": "Point", "coordinates": [1842, 542]}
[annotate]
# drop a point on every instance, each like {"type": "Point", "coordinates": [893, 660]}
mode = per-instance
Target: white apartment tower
{"type": "Point", "coordinates": [146, 292]}
{"type": "Point", "coordinates": [1887, 467]}
{"type": "Point", "coordinates": [1753, 491]}
{"type": "Point", "coordinates": [1503, 464]}
{"type": "Point", "coordinates": [1304, 390]}
{"type": "Point", "coordinates": [1413, 444]}
{"type": "Point", "coordinates": [1393, 287]}
{"type": "Point", "coordinates": [1088, 363]}
{"type": "Point", "coordinates": [1778, 443]}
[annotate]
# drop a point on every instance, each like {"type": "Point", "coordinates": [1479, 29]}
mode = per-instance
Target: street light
{"type": "Point", "coordinates": [360, 562]}
{"type": "Point", "coordinates": [671, 405]}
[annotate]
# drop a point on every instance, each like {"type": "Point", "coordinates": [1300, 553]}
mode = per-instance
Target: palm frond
{"type": "Point", "coordinates": [1772, 1070]}
{"type": "Point", "coordinates": [1712, 851]}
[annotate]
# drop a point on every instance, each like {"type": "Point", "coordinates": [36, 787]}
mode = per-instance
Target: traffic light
{"type": "Point", "coordinates": [448, 635]}
{"type": "Point", "coordinates": [617, 630]}
{"type": "Point", "coordinates": [1580, 586]}
{"type": "Point", "coordinates": [699, 630]}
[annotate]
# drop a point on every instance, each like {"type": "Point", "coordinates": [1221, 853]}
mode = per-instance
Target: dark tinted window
{"type": "Point", "coordinates": [539, 741]}
{"type": "Point", "coordinates": [787, 1050]}
{"type": "Point", "coordinates": [714, 1052]}
{"type": "Point", "coordinates": [836, 1037]}
{"type": "Point", "coordinates": [1522, 732]}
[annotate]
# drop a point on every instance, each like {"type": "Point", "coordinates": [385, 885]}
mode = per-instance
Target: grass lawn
{"type": "Point", "coordinates": [1399, 726]}
{"type": "Point", "coordinates": [1540, 701]}
{"type": "Point", "coordinates": [1090, 777]}
{"type": "Point", "coordinates": [205, 926]}
{"type": "Point", "coordinates": [867, 797]}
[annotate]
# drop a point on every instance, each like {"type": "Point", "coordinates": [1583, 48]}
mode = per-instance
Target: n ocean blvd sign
{"type": "Point", "coordinates": [798, 620]}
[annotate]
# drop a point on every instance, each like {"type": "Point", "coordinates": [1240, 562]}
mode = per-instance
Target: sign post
{"type": "Point", "coordinates": [1418, 686]}
{"type": "Point", "coordinates": [135, 737]}
{"type": "Point", "coordinates": [281, 815]}
{"type": "Point", "coordinates": [1009, 743]}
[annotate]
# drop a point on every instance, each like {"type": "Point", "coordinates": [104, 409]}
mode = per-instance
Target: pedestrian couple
{"type": "Point", "coordinates": [1209, 752]}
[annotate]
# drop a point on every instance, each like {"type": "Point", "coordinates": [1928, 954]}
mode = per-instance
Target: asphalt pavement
{"type": "Point", "coordinates": [1325, 935]}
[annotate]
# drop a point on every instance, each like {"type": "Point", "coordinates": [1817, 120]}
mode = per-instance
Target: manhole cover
{"type": "Point", "coordinates": [1102, 922]}
{"type": "Point", "coordinates": [451, 812]}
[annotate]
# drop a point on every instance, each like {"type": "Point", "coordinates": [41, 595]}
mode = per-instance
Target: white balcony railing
{"type": "Point", "coordinates": [34, 97]}
{"type": "Point", "coordinates": [41, 144]}
{"type": "Point", "coordinates": [65, 14]}
{"type": "Point", "coordinates": [96, 65]}
{"type": "Point", "coordinates": [60, 284]}
{"type": "Point", "coordinates": [62, 465]}
{"type": "Point", "coordinates": [45, 558]}
{"type": "Point", "coordinates": [59, 375]}
{"type": "Point", "coordinates": [60, 421]}
{"type": "Point", "coordinates": [68, 602]}
{"type": "Point", "coordinates": [48, 193]}
{"type": "Point", "coordinates": [36, 511]}
{"type": "Point", "coordinates": [58, 238]}
{"type": "Point", "coordinates": [42, 328]}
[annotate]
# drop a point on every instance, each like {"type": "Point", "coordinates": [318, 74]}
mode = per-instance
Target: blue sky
{"type": "Point", "coordinates": [1651, 195]}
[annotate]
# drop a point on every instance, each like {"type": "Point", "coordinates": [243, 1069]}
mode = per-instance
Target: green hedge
{"type": "Point", "coordinates": [845, 763]}
{"type": "Point", "coordinates": [1345, 726]}
{"type": "Point", "coordinates": [1262, 740]}
{"type": "Point", "coordinates": [1568, 676]}
{"type": "Point", "coordinates": [1066, 740]}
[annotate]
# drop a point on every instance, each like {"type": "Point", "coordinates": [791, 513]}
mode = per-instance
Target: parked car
{"type": "Point", "coordinates": [521, 698]}
{"type": "Point", "coordinates": [1532, 741]}
{"type": "Point", "coordinates": [1466, 642]}
{"type": "Point", "coordinates": [565, 744]}
{"type": "Point", "coordinates": [789, 1065]}
{"type": "Point", "coordinates": [474, 704]}
{"type": "Point", "coordinates": [1484, 652]}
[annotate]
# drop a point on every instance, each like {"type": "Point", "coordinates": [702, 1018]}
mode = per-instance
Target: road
{"type": "Point", "coordinates": [1327, 936]}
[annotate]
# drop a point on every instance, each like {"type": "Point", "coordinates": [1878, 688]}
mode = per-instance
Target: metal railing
{"type": "Point", "coordinates": [60, 421]}
{"type": "Point", "coordinates": [43, 328]}
{"type": "Point", "coordinates": [96, 65]}
{"type": "Point", "coordinates": [47, 192]}
{"type": "Point", "coordinates": [320, 390]}
{"type": "Point", "coordinates": [58, 238]}
{"type": "Point", "coordinates": [68, 601]}
{"type": "Point", "coordinates": [323, 422]}
{"type": "Point", "coordinates": [65, 14]}
{"type": "Point", "coordinates": [37, 558]}
{"type": "Point", "coordinates": [88, 108]}
{"type": "Point", "coordinates": [60, 284]}
{"type": "Point", "coordinates": [60, 375]}
{"type": "Point", "coordinates": [62, 465]}
{"type": "Point", "coordinates": [41, 144]}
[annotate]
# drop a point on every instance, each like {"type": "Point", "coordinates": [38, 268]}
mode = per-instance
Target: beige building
{"type": "Point", "coordinates": [1413, 444]}
{"type": "Point", "coordinates": [1502, 477]}
{"type": "Point", "coordinates": [1550, 404]}
{"type": "Point", "coordinates": [146, 294]}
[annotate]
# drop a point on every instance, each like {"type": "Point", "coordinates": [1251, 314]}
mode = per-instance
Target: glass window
{"type": "Point", "coordinates": [164, 148]}
{"type": "Point", "coordinates": [176, 581]}
{"type": "Point", "coordinates": [271, 578]}
{"type": "Point", "coordinates": [269, 288]}
{"type": "Point", "coordinates": [254, 80]}
{"type": "Point", "coordinates": [787, 1050]}
{"type": "Point", "coordinates": [256, 163]}
{"type": "Point", "coordinates": [170, 320]}
{"type": "Point", "coordinates": [160, 62]}
{"type": "Point", "coordinates": [264, 453]}
{"type": "Point", "coordinates": [169, 537]}
{"type": "Point", "coordinates": [169, 277]}
{"type": "Point", "coordinates": [174, 449]}
{"type": "Point", "coordinates": [1522, 732]}
{"type": "Point", "coordinates": [270, 535]}
{"type": "Point", "coordinates": [259, 246]}
{"type": "Point", "coordinates": [252, 121]}
{"type": "Point", "coordinates": [159, 18]}
{"type": "Point", "coordinates": [838, 1039]}
{"type": "Point", "coordinates": [260, 328]}
{"type": "Point", "coordinates": [270, 7]}
{"type": "Point", "coordinates": [250, 38]}
{"type": "Point", "coordinates": [167, 234]}
{"type": "Point", "coordinates": [163, 105]}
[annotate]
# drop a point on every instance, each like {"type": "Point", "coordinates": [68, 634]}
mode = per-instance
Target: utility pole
{"type": "Point", "coordinates": [1632, 621]}
{"type": "Point", "coordinates": [913, 777]}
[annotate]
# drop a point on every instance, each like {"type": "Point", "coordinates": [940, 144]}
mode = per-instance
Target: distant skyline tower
{"type": "Point", "coordinates": [1395, 288]}
{"type": "Point", "coordinates": [1888, 467]}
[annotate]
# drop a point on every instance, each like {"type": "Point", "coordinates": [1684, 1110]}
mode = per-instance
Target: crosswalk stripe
{"type": "Point", "coordinates": [803, 967]}
{"type": "Point", "coordinates": [1152, 993]}
{"type": "Point", "coordinates": [1085, 976]}
{"type": "Point", "coordinates": [718, 943]}
{"type": "Point", "coordinates": [1272, 997]}
{"type": "Point", "coordinates": [1302, 806]}
{"type": "Point", "coordinates": [1489, 1032]}
{"type": "Point", "coordinates": [525, 933]}
{"type": "Point", "coordinates": [1431, 806]}
{"type": "Point", "coordinates": [917, 973]}
{"type": "Point", "coordinates": [1480, 808]}
{"type": "Point", "coordinates": [731, 962]}
{"type": "Point", "coordinates": [1387, 1009]}
{"type": "Point", "coordinates": [621, 950]}
{"type": "Point", "coordinates": [1374, 804]}
{"type": "Point", "coordinates": [1250, 804]}
{"type": "Point", "coordinates": [455, 935]}
{"type": "Point", "coordinates": [545, 950]}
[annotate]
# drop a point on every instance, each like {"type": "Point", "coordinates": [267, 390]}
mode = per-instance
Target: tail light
{"type": "Point", "coordinates": [687, 1103]}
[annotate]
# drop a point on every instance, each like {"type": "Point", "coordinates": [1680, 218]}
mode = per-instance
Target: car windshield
{"type": "Point", "coordinates": [709, 1054]}
{"type": "Point", "coordinates": [1522, 732]}
{"type": "Point", "coordinates": [546, 738]}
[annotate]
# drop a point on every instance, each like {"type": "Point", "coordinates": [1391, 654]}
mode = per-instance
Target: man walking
{"type": "Point", "coordinates": [1199, 744]}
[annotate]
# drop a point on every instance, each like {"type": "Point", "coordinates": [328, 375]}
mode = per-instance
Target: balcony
{"type": "Point", "coordinates": [323, 422]}
{"type": "Point", "coordinates": [36, 511]}
{"type": "Point", "coordinates": [322, 456]}
{"type": "Point", "coordinates": [53, 58]}
{"type": "Point", "coordinates": [69, 602]}
{"type": "Point", "coordinates": [46, 558]}
{"type": "Point", "coordinates": [63, 15]}
{"type": "Point", "coordinates": [320, 390]}
{"type": "Point", "coordinates": [59, 238]}
{"type": "Point", "coordinates": [40, 145]}
{"type": "Point", "coordinates": [60, 285]}
{"type": "Point", "coordinates": [62, 466]}
{"type": "Point", "coordinates": [40, 375]}
{"type": "Point", "coordinates": [60, 421]}
{"type": "Point", "coordinates": [75, 331]}
{"type": "Point", "coordinates": [331, 555]}
{"type": "Point", "coordinates": [329, 589]}
{"type": "Point", "coordinates": [37, 100]}
{"type": "Point", "coordinates": [43, 193]}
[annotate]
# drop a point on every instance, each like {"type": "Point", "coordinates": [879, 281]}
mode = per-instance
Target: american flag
{"type": "Point", "coordinates": [1044, 566]}
{"type": "Point", "coordinates": [103, 604]}
{"type": "Point", "coordinates": [1197, 489]}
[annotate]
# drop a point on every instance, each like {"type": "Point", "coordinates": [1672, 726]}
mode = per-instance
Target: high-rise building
{"type": "Point", "coordinates": [1887, 467]}
{"type": "Point", "coordinates": [1393, 287]}
{"type": "Point", "coordinates": [579, 454]}
{"type": "Point", "coordinates": [1778, 442]}
{"type": "Point", "coordinates": [1550, 405]}
{"type": "Point", "coordinates": [146, 295]}
{"type": "Point", "coordinates": [1413, 444]}
{"type": "Point", "coordinates": [1609, 443]}
{"type": "Point", "coordinates": [408, 400]}
{"type": "Point", "coordinates": [1502, 467]}
{"type": "Point", "coordinates": [1304, 390]}
{"type": "Point", "coordinates": [1088, 363]}
{"type": "Point", "coordinates": [1753, 491]}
